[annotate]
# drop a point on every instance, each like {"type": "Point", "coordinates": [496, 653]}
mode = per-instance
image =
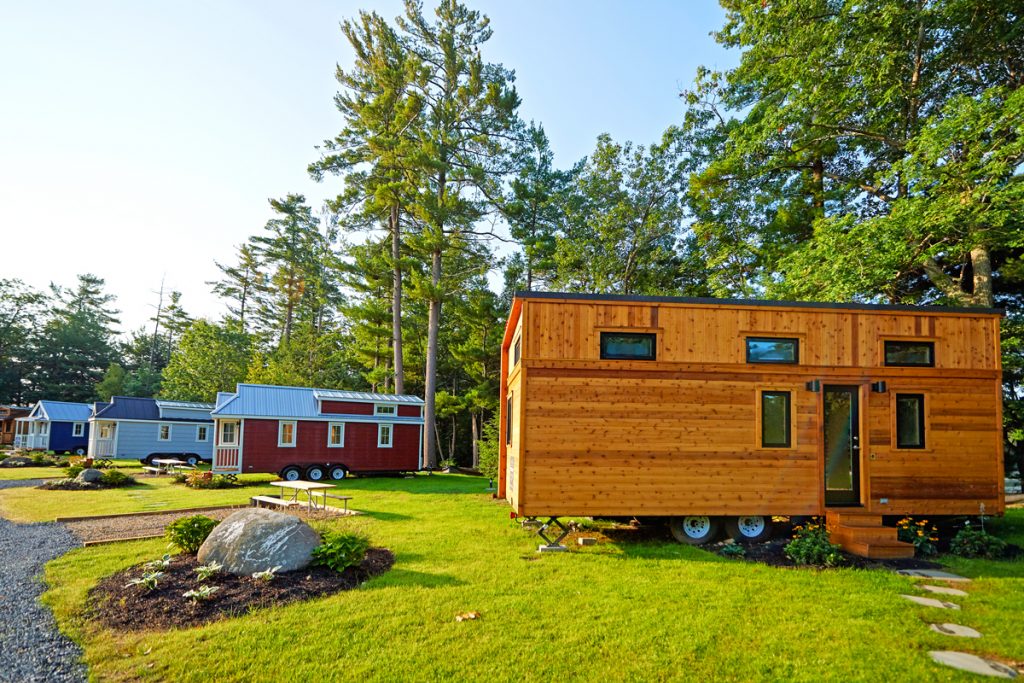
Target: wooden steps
{"type": "Point", "coordinates": [863, 534]}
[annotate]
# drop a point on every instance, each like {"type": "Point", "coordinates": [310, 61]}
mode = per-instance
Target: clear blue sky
{"type": "Point", "coordinates": [139, 139]}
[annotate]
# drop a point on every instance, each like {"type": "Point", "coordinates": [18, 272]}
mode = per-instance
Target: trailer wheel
{"type": "Point", "coordinates": [79, 451]}
{"type": "Point", "coordinates": [314, 473]}
{"type": "Point", "coordinates": [750, 528]}
{"type": "Point", "coordinates": [192, 460]}
{"type": "Point", "coordinates": [291, 473]}
{"type": "Point", "coordinates": [337, 473]}
{"type": "Point", "coordinates": [695, 530]}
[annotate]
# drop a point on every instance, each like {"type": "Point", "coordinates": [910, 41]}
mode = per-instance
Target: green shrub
{"type": "Point", "coordinates": [206, 480]}
{"type": "Point", "coordinates": [971, 542]}
{"type": "Point", "coordinates": [188, 533]}
{"type": "Point", "coordinates": [339, 550]}
{"type": "Point", "coordinates": [919, 534]}
{"type": "Point", "coordinates": [73, 471]}
{"type": "Point", "coordinates": [732, 550]}
{"type": "Point", "coordinates": [116, 479]}
{"type": "Point", "coordinates": [811, 545]}
{"type": "Point", "coordinates": [489, 442]}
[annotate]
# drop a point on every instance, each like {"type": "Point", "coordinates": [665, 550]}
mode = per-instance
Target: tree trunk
{"type": "Point", "coordinates": [474, 423]}
{"type": "Point", "coordinates": [430, 380]}
{"type": "Point", "coordinates": [981, 262]}
{"type": "Point", "coordinates": [396, 301]}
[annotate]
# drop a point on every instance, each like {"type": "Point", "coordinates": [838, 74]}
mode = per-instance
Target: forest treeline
{"type": "Point", "coordinates": [859, 152]}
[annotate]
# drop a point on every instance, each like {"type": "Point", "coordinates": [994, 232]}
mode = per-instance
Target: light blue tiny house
{"type": "Point", "coordinates": [147, 428]}
{"type": "Point", "coordinates": [56, 426]}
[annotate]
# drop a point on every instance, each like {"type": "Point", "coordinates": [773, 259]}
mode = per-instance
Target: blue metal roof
{"type": "Point", "coordinates": [262, 400]}
{"type": "Point", "coordinates": [133, 408]}
{"type": "Point", "coordinates": [62, 411]}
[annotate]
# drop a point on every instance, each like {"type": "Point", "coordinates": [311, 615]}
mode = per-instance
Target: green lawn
{"type": "Point", "coordinates": [635, 611]}
{"type": "Point", "coordinates": [22, 473]}
{"type": "Point", "coordinates": [34, 505]}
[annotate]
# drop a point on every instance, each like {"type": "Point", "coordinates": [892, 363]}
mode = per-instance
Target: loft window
{"type": "Point", "coordinates": [384, 436]}
{"type": "Point", "coordinates": [909, 420]}
{"type": "Point", "coordinates": [286, 434]}
{"type": "Point", "coordinates": [775, 419]}
{"type": "Point", "coordinates": [384, 409]}
{"type": "Point", "coordinates": [628, 346]}
{"type": "Point", "coordinates": [228, 433]}
{"type": "Point", "coordinates": [165, 433]}
{"type": "Point", "coordinates": [910, 353]}
{"type": "Point", "coordinates": [202, 433]}
{"type": "Point", "coordinates": [336, 435]}
{"type": "Point", "coordinates": [517, 351]}
{"type": "Point", "coordinates": [508, 421]}
{"type": "Point", "coordinates": [773, 350]}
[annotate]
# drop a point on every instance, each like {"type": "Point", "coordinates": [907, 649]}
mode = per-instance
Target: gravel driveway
{"type": "Point", "coordinates": [31, 648]}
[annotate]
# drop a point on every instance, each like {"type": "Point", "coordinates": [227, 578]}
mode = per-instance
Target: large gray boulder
{"type": "Point", "coordinates": [254, 540]}
{"type": "Point", "coordinates": [16, 461]}
{"type": "Point", "coordinates": [89, 476]}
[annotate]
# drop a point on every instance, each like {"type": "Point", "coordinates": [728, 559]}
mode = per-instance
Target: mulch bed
{"type": "Point", "coordinates": [136, 609]}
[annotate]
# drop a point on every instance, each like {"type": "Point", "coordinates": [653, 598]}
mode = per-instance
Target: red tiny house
{"type": "Point", "coordinates": [315, 434]}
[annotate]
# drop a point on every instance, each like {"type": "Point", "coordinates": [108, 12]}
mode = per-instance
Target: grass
{"type": "Point", "coordinates": [22, 473]}
{"type": "Point", "coordinates": [635, 611]}
{"type": "Point", "coordinates": [33, 505]}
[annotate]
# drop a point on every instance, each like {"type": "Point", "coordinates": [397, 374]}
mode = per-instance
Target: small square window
{"type": "Point", "coordinates": [165, 433]}
{"type": "Point", "coordinates": [910, 353]}
{"type": "Point", "coordinates": [775, 419]}
{"type": "Point", "coordinates": [286, 434]}
{"type": "Point", "coordinates": [773, 350]}
{"type": "Point", "coordinates": [336, 435]}
{"type": "Point", "coordinates": [384, 436]}
{"type": "Point", "coordinates": [202, 433]}
{"type": "Point", "coordinates": [628, 346]}
{"type": "Point", "coordinates": [384, 409]}
{"type": "Point", "coordinates": [909, 420]}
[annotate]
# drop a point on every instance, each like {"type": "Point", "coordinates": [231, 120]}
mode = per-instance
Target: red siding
{"type": "Point", "coordinates": [346, 408]}
{"type": "Point", "coordinates": [360, 454]}
{"type": "Point", "coordinates": [408, 411]}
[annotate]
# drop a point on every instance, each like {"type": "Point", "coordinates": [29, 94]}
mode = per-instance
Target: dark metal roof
{"type": "Point", "coordinates": [131, 408]}
{"type": "Point", "coordinates": [627, 298]}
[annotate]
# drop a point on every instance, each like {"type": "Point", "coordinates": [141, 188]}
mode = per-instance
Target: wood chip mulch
{"type": "Point", "coordinates": [135, 609]}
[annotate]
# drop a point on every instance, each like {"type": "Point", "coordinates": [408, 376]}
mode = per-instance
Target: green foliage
{"type": "Point", "coordinates": [20, 306]}
{"type": "Point", "coordinates": [188, 533]}
{"type": "Point", "coordinates": [972, 542]}
{"type": "Point", "coordinates": [922, 536]}
{"type": "Point", "coordinates": [149, 581]}
{"type": "Point", "coordinates": [735, 550]}
{"type": "Point", "coordinates": [340, 550]}
{"type": "Point", "coordinates": [204, 479]}
{"type": "Point", "coordinates": [811, 546]}
{"type": "Point", "coordinates": [205, 571]}
{"type": "Point", "coordinates": [489, 445]}
{"type": "Point", "coordinates": [112, 384]}
{"type": "Point", "coordinates": [209, 358]}
{"type": "Point", "coordinates": [201, 594]}
{"type": "Point", "coordinates": [267, 575]}
{"type": "Point", "coordinates": [116, 479]}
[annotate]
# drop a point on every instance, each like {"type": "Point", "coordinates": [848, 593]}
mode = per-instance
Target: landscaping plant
{"type": "Point", "coordinates": [205, 571]}
{"type": "Point", "coordinates": [188, 533]}
{"type": "Point", "coordinates": [202, 593]}
{"type": "Point", "coordinates": [267, 574]}
{"type": "Point", "coordinates": [971, 542]}
{"type": "Point", "coordinates": [919, 534]}
{"type": "Point", "coordinates": [732, 550]}
{"type": "Point", "coordinates": [205, 480]}
{"type": "Point", "coordinates": [114, 479]}
{"type": "Point", "coordinates": [149, 581]}
{"type": "Point", "coordinates": [341, 550]}
{"type": "Point", "coordinates": [811, 545]}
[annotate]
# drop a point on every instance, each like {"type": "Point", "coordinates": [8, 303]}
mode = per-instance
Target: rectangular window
{"type": "Point", "coordinates": [384, 436]}
{"type": "Point", "coordinates": [775, 419]}
{"type": "Point", "coordinates": [164, 433]}
{"type": "Point", "coordinates": [773, 350]}
{"type": "Point", "coordinates": [106, 430]}
{"type": "Point", "coordinates": [228, 433]}
{"type": "Point", "coordinates": [78, 429]}
{"type": "Point", "coordinates": [910, 353]}
{"type": "Point", "coordinates": [336, 435]}
{"type": "Point", "coordinates": [202, 433]}
{"type": "Point", "coordinates": [508, 421]}
{"type": "Point", "coordinates": [628, 346]}
{"type": "Point", "coordinates": [909, 420]}
{"type": "Point", "coordinates": [517, 351]}
{"type": "Point", "coordinates": [286, 434]}
{"type": "Point", "coordinates": [384, 409]}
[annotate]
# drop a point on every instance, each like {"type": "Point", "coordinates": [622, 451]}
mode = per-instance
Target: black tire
{"type": "Point", "coordinates": [80, 451]}
{"type": "Point", "coordinates": [149, 458]}
{"type": "Point", "coordinates": [750, 528]}
{"type": "Point", "coordinates": [315, 473]}
{"type": "Point", "coordinates": [695, 529]}
{"type": "Point", "coordinates": [291, 473]}
{"type": "Point", "coordinates": [337, 472]}
{"type": "Point", "coordinates": [192, 459]}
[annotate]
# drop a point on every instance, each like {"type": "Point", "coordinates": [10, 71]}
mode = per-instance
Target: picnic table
{"type": "Point", "coordinates": [168, 466]}
{"type": "Point", "coordinates": [313, 491]}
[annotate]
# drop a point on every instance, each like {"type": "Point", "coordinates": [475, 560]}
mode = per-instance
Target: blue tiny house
{"type": "Point", "coordinates": [55, 426]}
{"type": "Point", "coordinates": [147, 428]}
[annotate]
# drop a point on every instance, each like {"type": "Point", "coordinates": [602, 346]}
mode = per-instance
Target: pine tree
{"type": "Point", "coordinates": [242, 286]}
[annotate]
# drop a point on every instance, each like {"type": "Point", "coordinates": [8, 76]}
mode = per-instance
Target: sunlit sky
{"type": "Point", "coordinates": [141, 140]}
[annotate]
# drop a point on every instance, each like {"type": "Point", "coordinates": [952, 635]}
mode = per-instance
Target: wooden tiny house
{"type": "Point", "coordinates": [712, 411]}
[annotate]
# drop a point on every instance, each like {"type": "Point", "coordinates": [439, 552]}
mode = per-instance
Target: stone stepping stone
{"type": "Point", "coordinates": [972, 663]}
{"type": "Point", "coordinates": [955, 630]}
{"type": "Point", "coordinates": [930, 602]}
{"type": "Point", "coordinates": [932, 574]}
{"type": "Point", "coordinates": [943, 590]}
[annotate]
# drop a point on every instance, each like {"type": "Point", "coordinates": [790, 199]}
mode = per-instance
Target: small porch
{"type": "Point", "coordinates": [31, 434]}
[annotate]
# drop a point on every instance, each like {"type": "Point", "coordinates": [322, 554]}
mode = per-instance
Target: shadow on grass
{"type": "Point", "coordinates": [434, 484]}
{"type": "Point", "coordinates": [385, 516]}
{"type": "Point", "coordinates": [408, 577]}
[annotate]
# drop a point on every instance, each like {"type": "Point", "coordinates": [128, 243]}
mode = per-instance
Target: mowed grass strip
{"type": "Point", "coordinates": [638, 611]}
{"type": "Point", "coordinates": [156, 493]}
{"type": "Point", "coordinates": [22, 473]}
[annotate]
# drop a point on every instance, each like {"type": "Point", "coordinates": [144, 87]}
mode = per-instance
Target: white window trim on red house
{"type": "Point", "coordinates": [280, 432]}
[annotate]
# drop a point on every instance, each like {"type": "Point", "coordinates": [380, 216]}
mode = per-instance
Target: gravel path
{"type": "Point", "coordinates": [16, 483]}
{"type": "Point", "coordinates": [31, 648]}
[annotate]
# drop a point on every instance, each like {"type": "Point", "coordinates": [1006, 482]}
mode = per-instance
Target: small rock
{"type": "Point", "coordinates": [973, 664]}
{"type": "Point", "coordinates": [586, 540]}
{"type": "Point", "coordinates": [89, 476]}
{"type": "Point", "coordinates": [931, 602]}
{"type": "Point", "coordinates": [955, 630]}
{"type": "Point", "coordinates": [251, 540]}
{"type": "Point", "coordinates": [467, 616]}
{"type": "Point", "coordinates": [932, 574]}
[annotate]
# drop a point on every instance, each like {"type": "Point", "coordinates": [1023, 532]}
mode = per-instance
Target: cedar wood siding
{"type": "Point", "coordinates": [679, 435]}
{"type": "Point", "coordinates": [360, 454]}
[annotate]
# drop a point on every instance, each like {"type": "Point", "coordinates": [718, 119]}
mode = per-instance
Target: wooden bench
{"type": "Point", "coordinates": [346, 499]}
{"type": "Point", "coordinates": [153, 470]}
{"type": "Point", "coordinates": [271, 500]}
